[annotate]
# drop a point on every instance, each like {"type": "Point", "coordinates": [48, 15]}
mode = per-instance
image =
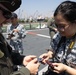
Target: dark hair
{"type": "Point", "coordinates": [68, 10]}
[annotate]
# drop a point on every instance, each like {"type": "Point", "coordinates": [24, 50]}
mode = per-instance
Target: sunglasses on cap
{"type": "Point", "coordinates": [7, 14]}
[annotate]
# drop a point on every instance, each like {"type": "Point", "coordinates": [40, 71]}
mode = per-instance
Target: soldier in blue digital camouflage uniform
{"type": "Point", "coordinates": [15, 33]}
{"type": "Point", "coordinates": [63, 45]}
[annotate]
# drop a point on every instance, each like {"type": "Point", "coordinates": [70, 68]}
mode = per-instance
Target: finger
{"type": "Point", "coordinates": [41, 56]}
{"type": "Point", "coordinates": [38, 65]}
{"type": "Point", "coordinates": [55, 64]}
{"type": "Point", "coordinates": [32, 56]}
{"type": "Point", "coordinates": [55, 71]}
{"type": "Point", "coordinates": [34, 60]}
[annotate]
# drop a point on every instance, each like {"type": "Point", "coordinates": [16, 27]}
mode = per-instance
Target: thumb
{"type": "Point", "coordinates": [34, 60]}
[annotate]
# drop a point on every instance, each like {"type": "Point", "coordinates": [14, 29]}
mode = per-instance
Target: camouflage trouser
{"type": "Point", "coordinates": [17, 46]}
{"type": "Point", "coordinates": [52, 33]}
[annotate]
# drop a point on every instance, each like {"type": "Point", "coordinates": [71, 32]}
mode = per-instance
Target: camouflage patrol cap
{"type": "Point", "coordinates": [11, 5]}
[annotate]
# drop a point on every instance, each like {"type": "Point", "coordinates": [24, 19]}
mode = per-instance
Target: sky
{"type": "Point", "coordinates": [35, 8]}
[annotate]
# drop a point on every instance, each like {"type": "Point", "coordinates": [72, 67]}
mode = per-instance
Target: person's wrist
{"type": "Point", "coordinates": [65, 67]}
{"type": "Point", "coordinates": [50, 53]}
{"type": "Point", "coordinates": [25, 70]}
{"type": "Point", "coordinates": [29, 68]}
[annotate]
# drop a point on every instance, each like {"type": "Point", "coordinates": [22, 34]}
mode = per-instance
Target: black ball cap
{"type": "Point", "coordinates": [11, 5]}
{"type": "Point", "coordinates": [14, 15]}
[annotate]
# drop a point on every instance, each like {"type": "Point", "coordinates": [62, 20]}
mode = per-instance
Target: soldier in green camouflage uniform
{"type": "Point", "coordinates": [8, 58]}
{"type": "Point", "coordinates": [52, 27]}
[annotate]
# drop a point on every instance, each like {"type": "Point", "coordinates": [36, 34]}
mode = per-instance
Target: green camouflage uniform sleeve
{"type": "Point", "coordinates": [22, 71]}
